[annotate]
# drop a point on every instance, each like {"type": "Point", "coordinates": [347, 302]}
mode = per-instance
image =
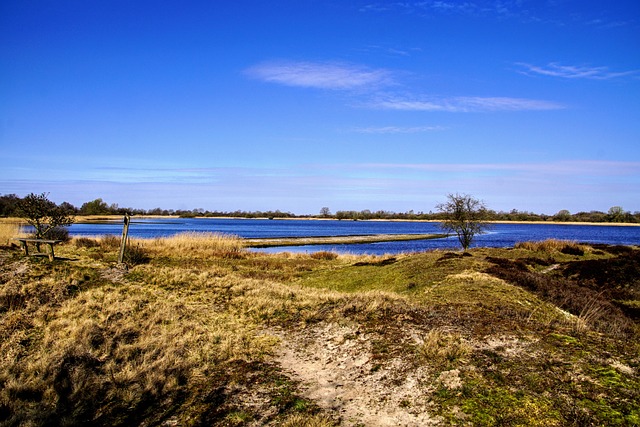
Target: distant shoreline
{"type": "Point", "coordinates": [92, 219]}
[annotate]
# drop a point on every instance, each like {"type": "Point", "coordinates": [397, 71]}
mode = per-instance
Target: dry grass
{"type": "Point", "coordinates": [9, 231]}
{"type": "Point", "coordinates": [554, 245]}
{"type": "Point", "coordinates": [108, 351]}
{"type": "Point", "coordinates": [196, 244]}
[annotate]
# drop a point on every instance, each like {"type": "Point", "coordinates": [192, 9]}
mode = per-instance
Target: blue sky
{"type": "Point", "coordinates": [295, 105]}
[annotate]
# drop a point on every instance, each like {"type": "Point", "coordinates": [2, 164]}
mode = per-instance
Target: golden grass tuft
{"type": "Point", "coordinates": [194, 243]}
{"type": "Point", "coordinates": [440, 347]}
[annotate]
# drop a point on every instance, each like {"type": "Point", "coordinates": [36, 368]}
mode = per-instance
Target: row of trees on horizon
{"type": "Point", "coordinates": [616, 214]}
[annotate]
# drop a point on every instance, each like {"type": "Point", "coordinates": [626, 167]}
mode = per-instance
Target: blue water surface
{"type": "Point", "coordinates": [499, 235]}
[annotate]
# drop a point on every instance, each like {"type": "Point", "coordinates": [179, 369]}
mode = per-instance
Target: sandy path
{"type": "Point", "coordinates": [335, 367]}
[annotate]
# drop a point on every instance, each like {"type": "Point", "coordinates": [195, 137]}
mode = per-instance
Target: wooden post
{"type": "Point", "coordinates": [51, 254]}
{"type": "Point", "coordinates": [125, 235]}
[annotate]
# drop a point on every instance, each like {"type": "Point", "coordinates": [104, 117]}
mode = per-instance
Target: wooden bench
{"type": "Point", "coordinates": [24, 242]}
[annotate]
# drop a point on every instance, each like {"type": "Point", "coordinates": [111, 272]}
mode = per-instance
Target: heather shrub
{"type": "Point", "coordinates": [591, 308]}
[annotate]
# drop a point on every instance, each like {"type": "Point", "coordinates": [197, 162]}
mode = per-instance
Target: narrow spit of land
{"type": "Point", "coordinates": [337, 240]}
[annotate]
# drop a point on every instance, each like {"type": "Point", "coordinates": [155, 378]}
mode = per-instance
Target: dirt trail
{"type": "Point", "coordinates": [336, 369]}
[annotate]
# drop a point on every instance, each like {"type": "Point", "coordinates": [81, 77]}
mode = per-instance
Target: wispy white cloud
{"type": "Point", "coordinates": [397, 129]}
{"type": "Point", "coordinates": [554, 69]}
{"type": "Point", "coordinates": [466, 104]}
{"type": "Point", "coordinates": [371, 82]}
{"type": "Point", "coordinates": [320, 75]}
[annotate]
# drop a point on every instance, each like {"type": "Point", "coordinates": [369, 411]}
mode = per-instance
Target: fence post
{"type": "Point", "coordinates": [123, 242]}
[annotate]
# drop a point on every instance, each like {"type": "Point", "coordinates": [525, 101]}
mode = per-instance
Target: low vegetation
{"type": "Point", "coordinates": [197, 330]}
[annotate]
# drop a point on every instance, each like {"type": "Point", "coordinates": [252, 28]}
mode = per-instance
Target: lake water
{"type": "Point", "coordinates": [500, 235]}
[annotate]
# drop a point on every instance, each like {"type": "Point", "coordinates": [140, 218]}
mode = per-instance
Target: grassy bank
{"type": "Point", "coordinates": [199, 331]}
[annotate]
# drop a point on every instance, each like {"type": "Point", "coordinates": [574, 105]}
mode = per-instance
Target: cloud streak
{"type": "Point", "coordinates": [320, 75]}
{"type": "Point", "coordinates": [466, 104]}
{"type": "Point", "coordinates": [554, 69]}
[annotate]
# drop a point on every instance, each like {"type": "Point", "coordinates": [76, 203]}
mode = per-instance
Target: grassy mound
{"type": "Point", "coordinates": [198, 331]}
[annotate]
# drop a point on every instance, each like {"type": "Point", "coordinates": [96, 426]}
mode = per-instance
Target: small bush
{"type": "Point", "coordinates": [58, 233]}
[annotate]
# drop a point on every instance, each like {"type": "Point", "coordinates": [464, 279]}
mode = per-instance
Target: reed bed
{"type": "Point", "coordinates": [192, 243]}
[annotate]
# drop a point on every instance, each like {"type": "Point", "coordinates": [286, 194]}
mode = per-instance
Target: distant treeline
{"type": "Point", "coordinates": [616, 214]}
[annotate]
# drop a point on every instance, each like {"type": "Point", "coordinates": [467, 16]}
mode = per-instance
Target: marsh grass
{"type": "Point", "coordinates": [190, 244]}
{"type": "Point", "coordinates": [10, 231]}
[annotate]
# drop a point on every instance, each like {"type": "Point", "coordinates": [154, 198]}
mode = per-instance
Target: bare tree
{"type": "Point", "coordinates": [465, 216]}
{"type": "Point", "coordinates": [325, 212]}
